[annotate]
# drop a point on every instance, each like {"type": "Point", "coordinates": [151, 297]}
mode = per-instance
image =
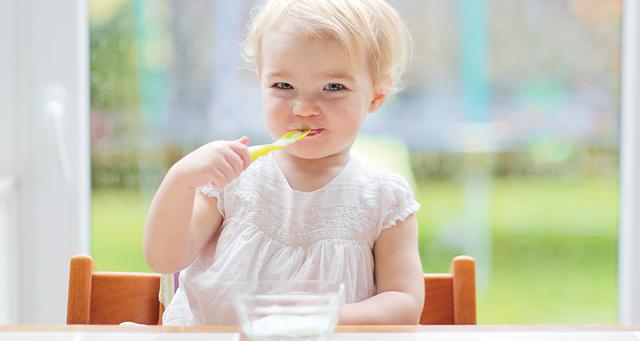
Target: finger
{"type": "Point", "coordinates": [244, 140]}
{"type": "Point", "coordinates": [242, 151]}
{"type": "Point", "coordinates": [220, 166]}
{"type": "Point", "coordinates": [235, 161]}
{"type": "Point", "coordinates": [227, 169]}
{"type": "Point", "coordinates": [218, 179]}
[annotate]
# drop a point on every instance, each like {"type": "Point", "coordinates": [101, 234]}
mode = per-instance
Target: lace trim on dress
{"type": "Point", "coordinates": [401, 215]}
{"type": "Point", "coordinates": [210, 191]}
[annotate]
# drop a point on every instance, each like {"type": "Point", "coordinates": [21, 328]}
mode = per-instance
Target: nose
{"type": "Point", "coordinates": [306, 107]}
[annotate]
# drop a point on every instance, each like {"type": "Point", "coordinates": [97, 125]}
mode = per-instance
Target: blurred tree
{"type": "Point", "coordinates": [113, 62]}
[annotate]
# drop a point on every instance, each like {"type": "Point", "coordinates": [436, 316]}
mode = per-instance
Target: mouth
{"type": "Point", "coordinates": [315, 132]}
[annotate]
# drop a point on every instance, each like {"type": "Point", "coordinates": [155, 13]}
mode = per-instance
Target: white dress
{"type": "Point", "coordinates": [272, 232]}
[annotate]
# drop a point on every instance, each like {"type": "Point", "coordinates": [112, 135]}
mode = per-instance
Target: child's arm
{"type": "Point", "coordinates": [399, 280]}
{"type": "Point", "coordinates": [181, 220]}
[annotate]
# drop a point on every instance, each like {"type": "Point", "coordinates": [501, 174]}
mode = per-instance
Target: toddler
{"type": "Point", "coordinates": [309, 211]}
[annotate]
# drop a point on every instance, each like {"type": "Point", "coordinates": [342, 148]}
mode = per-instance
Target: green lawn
{"type": "Point", "coordinates": [117, 221]}
{"type": "Point", "coordinates": [553, 244]}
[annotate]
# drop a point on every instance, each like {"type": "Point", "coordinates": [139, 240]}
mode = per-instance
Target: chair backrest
{"type": "Point", "coordinates": [451, 298]}
{"type": "Point", "coordinates": [111, 297]}
{"type": "Point", "coordinates": [116, 297]}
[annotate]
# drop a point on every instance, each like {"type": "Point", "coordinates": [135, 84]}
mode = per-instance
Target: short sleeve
{"type": "Point", "coordinates": [398, 201]}
{"type": "Point", "coordinates": [211, 191]}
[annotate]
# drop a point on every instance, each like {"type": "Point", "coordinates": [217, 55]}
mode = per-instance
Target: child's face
{"type": "Point", "coordinates": [311, 83]}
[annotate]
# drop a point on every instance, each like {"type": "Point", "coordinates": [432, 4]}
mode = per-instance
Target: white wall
{"type": "Point", "coordinates": [43, 54]}
{"type": "Point", "coordinates": [8, 303]}
{"type": "Point", "coordinates": [8, 284]}
{"type": "Point", "coordinates": [629, 243]}
{"type": "Point", "coordinates": [7, 94]}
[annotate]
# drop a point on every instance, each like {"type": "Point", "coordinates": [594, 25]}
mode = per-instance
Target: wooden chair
{"type": "Point", "coordinates": [111, 297]}
{"type": "Point", "coordinates": [115, 297]}
{"type": "Point", "coordinates": [451, 298]}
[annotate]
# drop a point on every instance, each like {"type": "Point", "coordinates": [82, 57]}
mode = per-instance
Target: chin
{"type": "Point", "coordinates": [316, 153]}
{"type": "Point", "coordinates": [310, 154]}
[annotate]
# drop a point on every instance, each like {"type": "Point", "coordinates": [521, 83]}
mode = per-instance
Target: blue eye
{"type": "Point", "coordinates": [334, 87]}
{"type": "Point", "coordinates": [283, 85]}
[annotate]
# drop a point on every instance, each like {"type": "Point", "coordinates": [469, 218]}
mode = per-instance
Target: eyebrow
{"type": "Point", "coordinates": [276, 74]}
{"type": "Point", "coordinates": [338, 75]}
{"type": "Point", "coordinates": [327, 75]}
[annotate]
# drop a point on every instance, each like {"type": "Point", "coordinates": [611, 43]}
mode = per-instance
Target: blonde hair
{"type": "Point", "coordinates": [372, 25]}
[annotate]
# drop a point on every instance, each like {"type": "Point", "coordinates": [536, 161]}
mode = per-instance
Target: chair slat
{"type": "Point", "coordinates": [438, 306]}
{"type": "Point", "coordinates": [463, 269]}
{"type": "Point", "coordinates": [120, 297]}
{"type": "Point", "coordinates": [79, 295]}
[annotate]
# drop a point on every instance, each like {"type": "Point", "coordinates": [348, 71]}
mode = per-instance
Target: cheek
{"type": "Point", "coordinates": [350, 109]}
{"type": "Point", "coordinates": [267, 102]}
{"type": "Point", "coordinates": [273, 110]}
{"type": "Point", "coordinates": [272, 106]}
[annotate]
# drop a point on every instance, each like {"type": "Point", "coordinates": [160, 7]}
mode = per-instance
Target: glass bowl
{"type": "Point", "coordinates": [288, 310]}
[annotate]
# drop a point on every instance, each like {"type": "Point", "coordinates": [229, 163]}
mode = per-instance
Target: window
{"type": "Point", "coordinates": [509, 125]}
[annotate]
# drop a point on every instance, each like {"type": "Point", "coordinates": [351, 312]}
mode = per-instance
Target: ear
{"type": "Point", "coordinates": [380, 94]}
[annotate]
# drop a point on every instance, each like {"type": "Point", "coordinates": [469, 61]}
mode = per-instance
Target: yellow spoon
{"type": "Point", "coordinates": [289, 138]}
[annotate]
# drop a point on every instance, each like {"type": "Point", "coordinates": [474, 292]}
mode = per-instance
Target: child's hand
{"type": "Point", "coordinates": [218, 162]}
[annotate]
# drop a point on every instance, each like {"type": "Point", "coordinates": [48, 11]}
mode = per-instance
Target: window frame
{"type": "Point", "coordinates": [45, 153]}
{"type": "Point", "coordinates": [629, 232]}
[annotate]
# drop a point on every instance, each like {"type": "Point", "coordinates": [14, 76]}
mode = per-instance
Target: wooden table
{"type": "Point", "coordinates": [343, 333]}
